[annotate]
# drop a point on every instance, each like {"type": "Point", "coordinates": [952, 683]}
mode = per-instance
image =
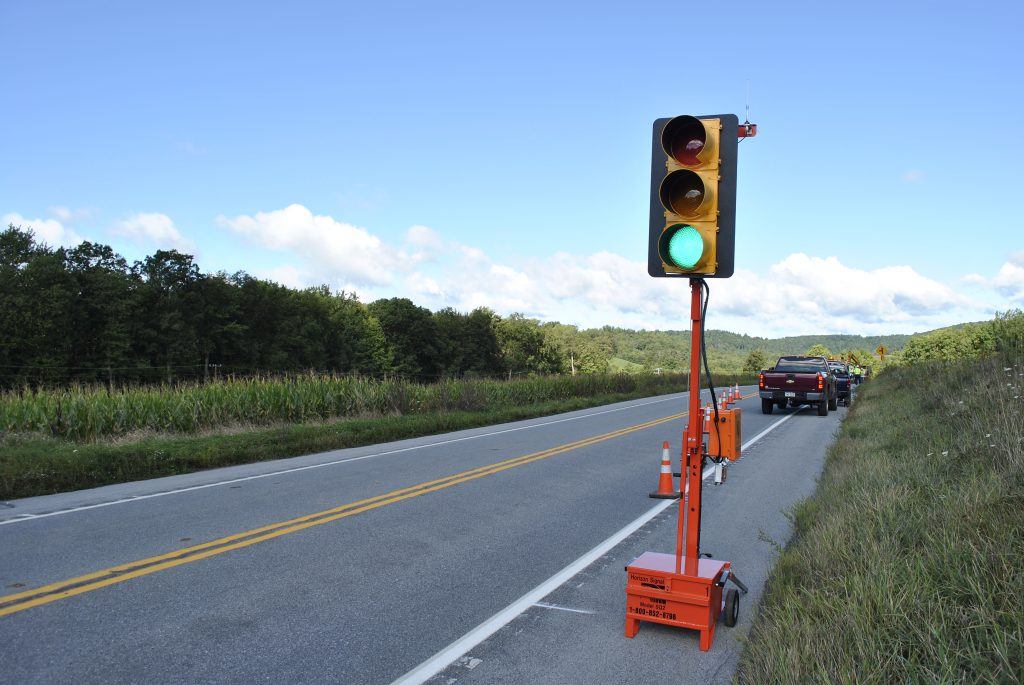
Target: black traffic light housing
{"type": "Point", "coordinates": [674, 189]}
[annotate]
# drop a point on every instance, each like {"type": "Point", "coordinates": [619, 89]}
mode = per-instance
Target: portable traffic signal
{"type": "Point", "coordinates": [693, 196]}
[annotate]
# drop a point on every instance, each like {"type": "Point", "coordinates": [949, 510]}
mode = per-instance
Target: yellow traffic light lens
{"type": "Point", "coordinates": [682, 245]}
{"type": "Point", "coordinates": [683, 139]}
{"type": "Point", "coordinates": [682, 192]}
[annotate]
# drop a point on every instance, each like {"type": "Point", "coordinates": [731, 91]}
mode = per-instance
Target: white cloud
{"type": "Point", "coordinates": [62, 213]}
{"type": "Point", "coordinates": [335, 250]}
{"type": "Point", "coordinates": [422, 243]}
{"type": "Point", "coordinates": [424, 286]}
{"type": "Point", "coordinates": [1009, 281]}
{"type": "Point", "coordinates": [286, 274]}
{"type": "Point", "coordinates": [912, 175]}
{"type": "Point", "coordinates": [68, 215]}
{"type": "Point", "coordinates": [423, 237]}
{"type": "Point", "coordinates": [974, 279]}
{"type": "Point", "coordinates": [50, 231]}
{"type": "Point", "coordinates": [152, 227]}
{"type": "Point", "coordinates": [799, 294]}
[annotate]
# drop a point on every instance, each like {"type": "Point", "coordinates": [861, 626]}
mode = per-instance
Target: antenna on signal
{"type": "Point", "coordinates": [747, 129]}
{"type": "Point", "coordinates": [746, 119]}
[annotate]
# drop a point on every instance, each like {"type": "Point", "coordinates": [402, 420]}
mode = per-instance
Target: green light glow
{"type": "Point", "coordinates": [685, 247]}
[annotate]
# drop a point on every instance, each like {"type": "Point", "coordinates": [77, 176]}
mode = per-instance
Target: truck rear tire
{"type": "Point", "coordinates": [833, 403]}
{"type": "Point", "coordinates": [823, 408]}
{"type": "Point", "coordinates": [767, 406]}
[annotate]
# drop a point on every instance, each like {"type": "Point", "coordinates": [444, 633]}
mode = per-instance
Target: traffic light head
{"type": "Point", "coordinates": [693, 196]}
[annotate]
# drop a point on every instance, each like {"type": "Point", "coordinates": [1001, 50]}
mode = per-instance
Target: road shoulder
{"type": "Point", "coordinates": [575, 634]}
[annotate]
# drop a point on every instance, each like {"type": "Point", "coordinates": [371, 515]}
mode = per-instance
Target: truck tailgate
{"type": "Point", "coordinates": [805, 382]}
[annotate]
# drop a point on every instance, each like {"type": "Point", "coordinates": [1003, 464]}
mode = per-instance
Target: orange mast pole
{"type": "Point", "coordinates": [688, 528]}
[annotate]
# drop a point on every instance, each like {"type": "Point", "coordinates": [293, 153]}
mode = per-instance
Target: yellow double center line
{"type": "Point", "coordinates": [27, 599]}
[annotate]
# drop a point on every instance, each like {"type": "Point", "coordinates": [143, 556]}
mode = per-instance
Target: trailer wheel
{"type": "Point", "coordinates": [732, 607]}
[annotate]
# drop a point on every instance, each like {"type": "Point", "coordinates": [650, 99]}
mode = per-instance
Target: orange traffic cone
{"type": "Point", "coordinates": [665, 490]}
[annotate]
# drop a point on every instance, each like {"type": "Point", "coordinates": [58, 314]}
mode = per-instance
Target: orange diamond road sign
{"type": "Point", "coordinates": [880, 351]}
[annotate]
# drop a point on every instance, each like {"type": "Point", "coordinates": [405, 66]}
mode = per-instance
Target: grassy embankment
{"type": "Point", "coordinates": [907, 565]}
{"type": "Point", "coordinates": [54, 441]}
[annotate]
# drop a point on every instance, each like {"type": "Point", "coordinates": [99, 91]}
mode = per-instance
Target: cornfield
{"type": "Point", "coordinates": [90, 413]}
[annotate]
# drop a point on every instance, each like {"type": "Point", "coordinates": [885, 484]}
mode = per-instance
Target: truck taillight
{"type": "Point", "coordinates": [821, 382]}
{"type": "Point", "coordinates": [760, 381]}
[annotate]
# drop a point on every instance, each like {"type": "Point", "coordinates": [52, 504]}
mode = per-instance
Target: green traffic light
{"type": "Point", "coordinates": [685, 247]}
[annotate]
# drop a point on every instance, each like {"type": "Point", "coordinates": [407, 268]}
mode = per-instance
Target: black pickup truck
{"type": "Point", "coordinates": [798, 380]}
{"type": "Point", "coordinates": [841, 370]}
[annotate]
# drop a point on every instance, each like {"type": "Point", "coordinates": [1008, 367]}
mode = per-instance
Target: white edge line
{"type": "Point", "coordinates": [770, 428]}
{"type": "Point", "coordinates": [442, 659]}
{"type": "Point", "coordinates": [545, 605]}
{"type": "Point", "coordinates": [18, 518]}
{"type": "Point", "coordinates": [437, 663]}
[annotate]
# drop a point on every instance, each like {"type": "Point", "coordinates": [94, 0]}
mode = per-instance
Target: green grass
{"type": "Point", "coordinates": [89, 413]}
{"type": "Point", "coordinates": [38, 462]}
{"type": "Point", "coordinates": [906, 565]}
{"type": "Point", "coordinates": [620, 365]}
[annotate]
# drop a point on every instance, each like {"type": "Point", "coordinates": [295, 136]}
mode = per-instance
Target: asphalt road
{"type": "Point", "coordinates": [360, 565]}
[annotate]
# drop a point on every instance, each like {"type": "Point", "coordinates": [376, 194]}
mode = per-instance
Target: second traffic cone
{"type": "Point", "coordinates": [665, 490]}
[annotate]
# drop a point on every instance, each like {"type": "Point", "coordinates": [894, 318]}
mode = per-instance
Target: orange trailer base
{"type": "Point", "coordinates": [657, 594]}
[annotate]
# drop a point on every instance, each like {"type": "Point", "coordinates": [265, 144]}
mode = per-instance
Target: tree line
{"type": "Point", "coordinates": [85, 314]}
{"type": "Point", "coordinates": [1004, 333]}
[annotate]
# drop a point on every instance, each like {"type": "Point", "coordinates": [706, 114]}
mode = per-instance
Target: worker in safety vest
{"type": "Point", "coordinates": [856, 370]}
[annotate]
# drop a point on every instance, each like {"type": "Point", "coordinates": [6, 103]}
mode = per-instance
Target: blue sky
{"type": "Point", "coordinates": [476, 153]}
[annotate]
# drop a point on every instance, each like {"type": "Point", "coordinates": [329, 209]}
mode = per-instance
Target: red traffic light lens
{"type": "Point", "coordinates": [682, 192]}
{"type": "Point", "coordinates": [683, 139]}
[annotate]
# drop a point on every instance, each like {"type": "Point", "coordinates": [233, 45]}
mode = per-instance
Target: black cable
{"type": "Point", "coordinates": [717, 458]}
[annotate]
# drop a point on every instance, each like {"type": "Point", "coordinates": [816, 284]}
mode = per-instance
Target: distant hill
{"type": "Point", "coordinates": [724, 340]}
{"type": "Point", "coordinates": [631, 350]}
